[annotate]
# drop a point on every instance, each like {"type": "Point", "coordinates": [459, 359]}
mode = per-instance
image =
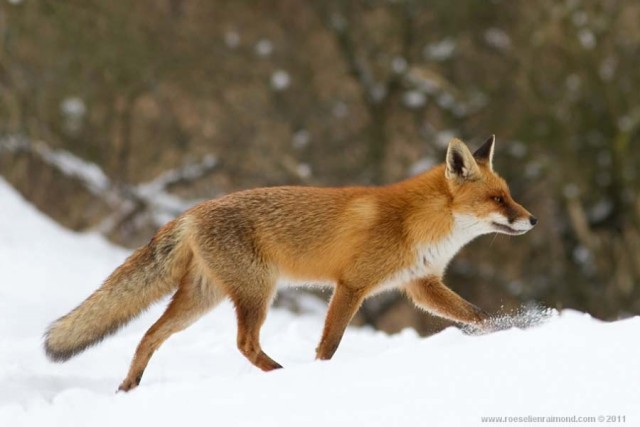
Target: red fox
{"type": "Point", "coordinates": [364, 240]}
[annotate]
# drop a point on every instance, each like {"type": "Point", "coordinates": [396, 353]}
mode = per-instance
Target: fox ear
{"type": "Point", "coordinates": [484, 154]}
{"type": "Point", "coordinates": [461, 165]}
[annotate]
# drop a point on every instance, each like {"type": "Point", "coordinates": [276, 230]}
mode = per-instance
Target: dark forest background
{"type": "Point", "coordinates": [116, 115]}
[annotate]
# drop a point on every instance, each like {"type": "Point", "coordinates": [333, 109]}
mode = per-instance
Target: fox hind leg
{"type": "Point", "coordinates": [252, 304]}
{"type": "Point", "coordinates": [192, 299]}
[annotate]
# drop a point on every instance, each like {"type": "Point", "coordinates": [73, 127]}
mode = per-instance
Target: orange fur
{"type": "Point", "coordinates": [363, 240]}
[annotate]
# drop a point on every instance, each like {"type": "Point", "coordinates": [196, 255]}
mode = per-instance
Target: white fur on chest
{"type": "Point", "coordinates": [432, 259]}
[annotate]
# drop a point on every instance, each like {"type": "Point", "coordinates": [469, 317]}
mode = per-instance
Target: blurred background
{"type": "Point", "coordinates": [117, 115]}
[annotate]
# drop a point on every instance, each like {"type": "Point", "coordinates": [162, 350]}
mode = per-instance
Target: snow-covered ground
{"type": "Point", "coordinates": [571, 365]}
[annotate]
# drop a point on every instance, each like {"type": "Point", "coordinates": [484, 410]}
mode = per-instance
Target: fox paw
{"type": "Point", "coordinates": [128, 385]}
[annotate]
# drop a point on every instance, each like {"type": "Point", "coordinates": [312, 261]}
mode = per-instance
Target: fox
{"type": "Point", "coordinates": [362, 240]}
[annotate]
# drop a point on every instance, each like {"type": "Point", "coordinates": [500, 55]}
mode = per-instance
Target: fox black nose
{"type": "Point", "coordinates": [533, 220]}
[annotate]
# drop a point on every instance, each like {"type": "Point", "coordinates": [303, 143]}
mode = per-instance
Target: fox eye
{"type": "Point", "coordinates": [498, 199]}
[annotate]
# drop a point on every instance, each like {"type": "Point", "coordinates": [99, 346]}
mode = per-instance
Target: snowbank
{"type": "Point", "coordinates": [572, 365]}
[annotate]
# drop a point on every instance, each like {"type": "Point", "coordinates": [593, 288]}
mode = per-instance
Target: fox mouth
{"type": "Point", "coordinates": [507, 230]}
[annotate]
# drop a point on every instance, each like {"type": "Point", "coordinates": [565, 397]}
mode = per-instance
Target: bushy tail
{"type": "Point", "coordinates": [150, 273]}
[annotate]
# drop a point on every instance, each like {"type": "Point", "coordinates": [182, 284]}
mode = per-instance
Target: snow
{"type": "Point", "coordinates": [441, 50]}
{"type": "Point", "coordinates": [580, 18]}
{"type": "Point", "coordinates": [377, 92]}
{"type": "Point", "coordinates": [280, 80]}
{"type": "Point", "coordinates": [607, 69]}
{"type": "Point", "coordinates": [446, 100]}
{"type": "Point", "coordinates": [304, 170]}
{"type": "Point", "coordinates": [587, 38]}
{"type": "Point", "coordinates": [422, 165]}
{"type": "Point", "coordinates": [74, 107]}
{"type": "Point", "coordinates": [164, 205]}
{"type": "Point", "coordinates": [570, 365]}
{"type": "Point", "coordinates": [497, 38]}
{"type": "Point", "coordinates": [232, 39]}
{"type": "Point", "coordinates": [518, 149]}
{"type": "Point", "coordinates": [301, 139]}
{"type": "Point", "coordinates": [399, 65]}
{"type": "Point", "coordinates": [264, 48]}
{"type": "Point", "coordinates": [414, 99]}
{"type": "Point", "coordinates": [444, 136]}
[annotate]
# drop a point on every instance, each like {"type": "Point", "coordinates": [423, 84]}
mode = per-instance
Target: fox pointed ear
{"type": "Point", "coordinates": [460, 163]}
{"type": "Point", "coordinates": [484, 154]}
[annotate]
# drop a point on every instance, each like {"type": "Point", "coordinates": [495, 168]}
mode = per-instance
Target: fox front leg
{"type": "Point", "coordinates": [344, 304]}
{"type": "Point", "coordinates": [433, 296]}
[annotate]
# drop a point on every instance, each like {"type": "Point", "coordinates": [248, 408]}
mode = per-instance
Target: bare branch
{"type": "Point", "coordinates": [90, 174]}
{"type": "Point", "coordinates": [128, 202]}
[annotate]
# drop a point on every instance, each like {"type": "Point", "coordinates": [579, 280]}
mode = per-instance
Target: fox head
{"type": "Point", "coordinates": [480, 195]}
